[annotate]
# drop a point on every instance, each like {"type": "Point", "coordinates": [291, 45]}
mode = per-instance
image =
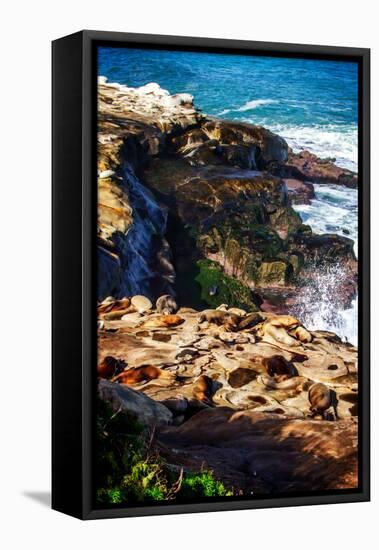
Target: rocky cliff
{"type": "Point", "coordinates": [202, 207]}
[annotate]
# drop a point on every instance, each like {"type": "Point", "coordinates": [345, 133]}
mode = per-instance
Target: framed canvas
{"type": "Point", "coordinates": [210, 275]}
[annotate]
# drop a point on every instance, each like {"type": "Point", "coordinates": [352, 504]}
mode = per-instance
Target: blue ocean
{"type": "Point", "coordinates": [313, 104]}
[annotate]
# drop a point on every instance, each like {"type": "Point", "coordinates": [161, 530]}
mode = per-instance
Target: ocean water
{"type": "Point", "coordinates": [313, 104]}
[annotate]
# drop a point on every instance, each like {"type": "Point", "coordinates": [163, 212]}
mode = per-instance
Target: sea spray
{"type": "Point", "coordinates": [318, 307]}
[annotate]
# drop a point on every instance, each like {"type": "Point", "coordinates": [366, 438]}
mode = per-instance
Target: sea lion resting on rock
{"type": "Point", "coordinates": [115, 306]}
{"type": "Point", "coordinates": [320, 398]}
{"type": "Point", "coordinates": [286, 384]}
{"type": "Point", "coordinates": [286, 330]}
{"type": "Point", "coordinates": [110, 366]}
{"type": "Point", "coordinates": [221, 318]}
{"type": "Point", "coordinates": [162, 321]}
{"type": "Point", "coordinates": [203, 389]}
{"type": "Point", "coordinates": [144, 373]}
{"type": "Point", "coordinates": [277, 365]}
{"type": "Point", "coordinates": [166, 305]}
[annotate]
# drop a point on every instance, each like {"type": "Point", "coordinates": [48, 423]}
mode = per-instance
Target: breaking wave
{"type": "Point", "coordinates": [333, 210]}
{"type": "Point", "coordinates": [248, 106]}
{"type": "Point", "coordinates": [317, 309]}
{"type": "Point", "coordinates": [324, 140]}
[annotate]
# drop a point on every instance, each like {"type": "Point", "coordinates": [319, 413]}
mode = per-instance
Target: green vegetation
{"type": "Point", "coordinates": [229, 290]}
{"type": "Point", "coordinates": [200, 485]}
{"type": "Point", "coordinates": [128, 471]}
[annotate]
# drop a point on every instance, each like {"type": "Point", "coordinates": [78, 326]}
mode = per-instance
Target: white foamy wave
{"type": "Point", "coordinates": [254, 103]}
{"type": "Point", "coordinates": [248, 106]}
{"type": "Point", "coordinates": [336, 141]}
{"type": "Point", "coordinates": [317, 309]}
{"type": "Point", "coordinates": [334, 210]}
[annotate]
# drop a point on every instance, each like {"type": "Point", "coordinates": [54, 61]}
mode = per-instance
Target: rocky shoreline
{"type": "Point", "coordinates": [200, 210]}
{"type": "Point", "coordinates": [181, 195]}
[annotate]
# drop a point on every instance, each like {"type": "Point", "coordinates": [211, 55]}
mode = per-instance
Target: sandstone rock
{"type": "Point", "coordinates": [261, 452]}
{"type": "Point", "coordinates": [187, 340]}
{"type": "Point", "coordinates": [187, 354]}
{"type": "Point", "coordinates": [133, 317]}
{"type": "Point", "coordinates": [206, 344]}
{"type": "Point", "coordinates": [145, 410]}
{"type": "Point", "coordinates": [287, 412]}
{"type": "Point", "coordinates": [235, 338]}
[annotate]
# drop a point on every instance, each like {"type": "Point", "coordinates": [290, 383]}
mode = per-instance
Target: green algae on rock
{"type": "Point", "coordinates": [227, 289]}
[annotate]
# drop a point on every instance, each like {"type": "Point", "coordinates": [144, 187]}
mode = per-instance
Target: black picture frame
{"type": "Point", "coordinates": [74, 269]}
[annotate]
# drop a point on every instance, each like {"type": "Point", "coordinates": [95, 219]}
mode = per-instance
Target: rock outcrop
{"type": "Point", "coordinates": [140, 406]}
{"type": "Point", "coordinates": [306, 166]}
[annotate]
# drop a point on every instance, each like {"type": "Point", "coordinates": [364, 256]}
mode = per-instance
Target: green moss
{"type": "Point", "coordinates": [128, 471]}
{"type": "Point", "coordinates": [229, 290]}
{"type": "Point", "coordinates": [202, 485]}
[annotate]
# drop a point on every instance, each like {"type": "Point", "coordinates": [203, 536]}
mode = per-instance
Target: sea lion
{"type": "Point", "coordinates": [110, 366]}
{"type": "Point", "coordinates": [302, 334]}
{"type": "Point", "coordinates": [203, 389]}
{"type": "Point", "coordinates": [144, 373]}
{"type": "Point", "coordinates": [279, 334]}
{"type": "Point", "coordinates": [278, 365]}
{"type": "Point", "coordinates": [285, 329]}
{"type": "Point", "coordinates": [115, 305]}
{"type": "Point", "coordinates": [320, 398]}
{"type": "Point", "coordinates": [288, 384]}
{"type": "Point", "coordinates": [166, 305]}
{"type": "Point", "coordinates": [220, 317]}
{"type": "Point", "coordinates": [117, 314]}
{"type": "Point", "coordinates": [163, 321]}
{"type": "Point", "coordinates": [250, 321]}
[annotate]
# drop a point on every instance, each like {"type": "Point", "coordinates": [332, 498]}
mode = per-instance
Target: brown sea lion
{"type": "Point", "coordinates": [116, 315]}
{"type": "Point", "coordinates": [320, 398]}
{"type": "Point", "coordinates": [116, 305]}
{"type": "Point", "coordinates": [163, 321]}
{"type": "Point", "coordinates": [144, 373]}
{"type": "Point", "coordinates": [278, 365]}
{"type": "Point", "coordinates": [293, 383]}
{"type": "Point", "coordinates": [286, 330]}
{"type": "Point", "coordinates": [220, 317]}
{"type": "Point", "coordinates": [302, 334]}
{"type": "Point", "coordinates": [110, 366]}
{"type": "Point", "coordinates": [250, 321]}
{"type": "Point", "coordinates": [166, 305]}
{"type": "Point", "coordinates": [203, 389]}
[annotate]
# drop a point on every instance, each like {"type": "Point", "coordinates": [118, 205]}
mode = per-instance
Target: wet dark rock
{"type": "Point", "coordinates": [306, 166]}
{"type": "Point", "coordinates": [299, 192]}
